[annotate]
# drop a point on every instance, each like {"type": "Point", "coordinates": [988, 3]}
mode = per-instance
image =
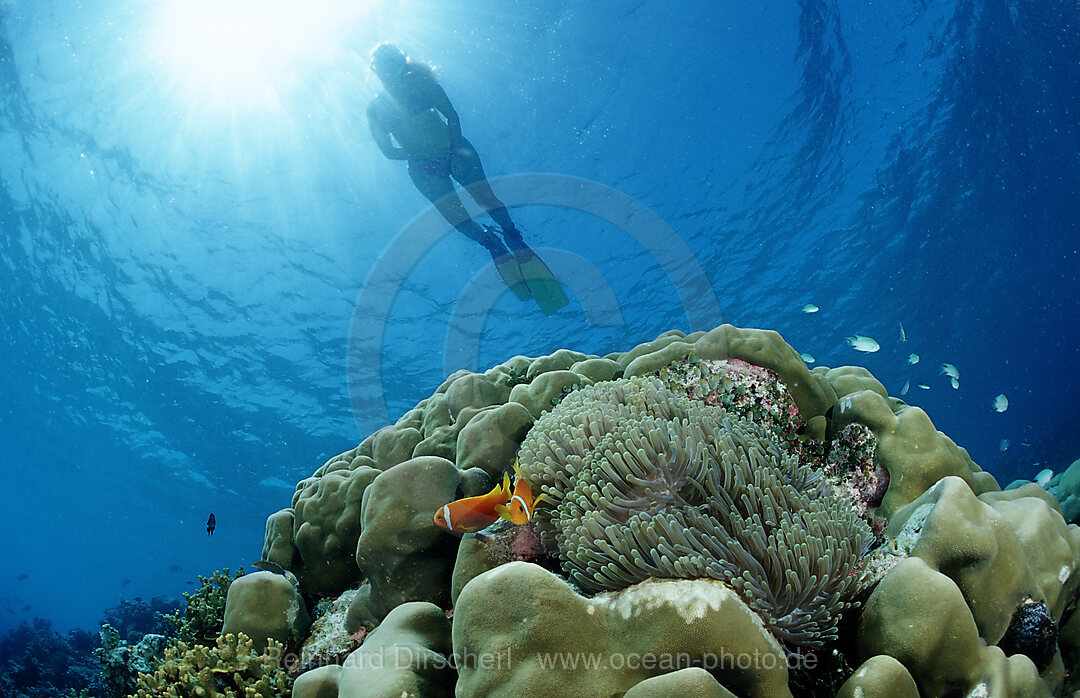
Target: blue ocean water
{"type": "Point", "coordinates": [206, 262]}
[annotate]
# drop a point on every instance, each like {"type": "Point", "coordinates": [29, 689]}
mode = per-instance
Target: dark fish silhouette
{"type": "Point", "coordinates": [211, 524]}
{"type": "Point", "coordinates": [268, 566]}
{"type": "Point", "coordinates": [22, 577]}
{"type": "Point", "coordinates": [125, 582]}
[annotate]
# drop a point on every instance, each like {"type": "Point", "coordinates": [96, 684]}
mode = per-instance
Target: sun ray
{"type": "Point", "coordinates": [248, 54]}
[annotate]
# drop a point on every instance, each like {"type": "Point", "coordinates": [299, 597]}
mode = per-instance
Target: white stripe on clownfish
{"type": "Point", "coordinates": [524, 506]}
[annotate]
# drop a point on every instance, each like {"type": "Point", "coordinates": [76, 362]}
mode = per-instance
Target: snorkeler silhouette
{"type": "Point", "coordinates": [408, 112]}
{"type": "Point", "coordinates": [211, 524]}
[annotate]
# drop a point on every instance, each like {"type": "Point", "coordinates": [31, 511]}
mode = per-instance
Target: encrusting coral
{"type": "Point", "coordinates": [231, 668]}
{"type": "Point", "coordinates": [329, 641]}
{"type": "Point", "coordinates": [743, 389]}
{"type": "Point", "coordinates": [644, 483]}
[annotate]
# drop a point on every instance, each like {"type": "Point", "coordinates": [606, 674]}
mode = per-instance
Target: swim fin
{"type": "Point", "coordinates": [510, 272]}
{"type": "Point", "coordinates": [545, 288]}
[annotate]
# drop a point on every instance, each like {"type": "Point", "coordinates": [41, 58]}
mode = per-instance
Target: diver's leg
{"type": "Point", "coordinates": [467, 169]}
{"type": "Point", "coordinates": [440, 191]}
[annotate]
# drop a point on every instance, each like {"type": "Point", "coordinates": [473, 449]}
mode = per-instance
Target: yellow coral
{"type": "Point", "coordinates": [232, 668]}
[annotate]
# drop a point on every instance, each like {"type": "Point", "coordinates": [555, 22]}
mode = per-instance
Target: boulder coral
{"type": "Point", "coordinates": [973, 564]}
{"type": "Point", "coordinates": [265, 606]}
{"type": "Point", "coordinates": [521, 629]}
{"type": "Point", "coordinates": [407, 655]}
{"type": "Point", "coordinates": [325, 523]}
{"type": "Point", "coordinates": [881, 676]}
{"type": "Point", "coordinates": [971, 592]}
{"type": "Point", "coordinates": [909, 447]}
{"type": "Point", "coordinates": [1065, 486]}
{"type": "Point", "coordinates": [401, 551]}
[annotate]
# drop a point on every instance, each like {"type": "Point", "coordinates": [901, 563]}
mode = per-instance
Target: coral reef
{"type": "Point", "coordinates": [736, 449]}
{"type": "Point", "coordinates": [121, 663]}
{"type": "Point", "coordinates": [503, 542]}
{"type": "Point", "coordinates": [133, 618]}
{"type": "Point", "coordinates": [232, 667]}
{"type": "Point", "coordinates": [37, 662]}
{"type": "Point", "coordinates": [204, 614]}
{"type": "Point", "coordinates": [974, 562]}
{"type": "Point", "coordinates": [692, 681]}
{"type": "Point", "coordinates": [918, 616]}
{"type": "Point", "coordinates": [914, 453]}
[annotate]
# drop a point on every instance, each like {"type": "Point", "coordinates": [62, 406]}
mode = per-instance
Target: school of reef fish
{"type": "Point", "coordinates": [700, 515]}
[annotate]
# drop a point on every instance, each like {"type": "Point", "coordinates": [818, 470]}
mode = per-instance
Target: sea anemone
{"type": "Point", "coordinates": [645, 483]}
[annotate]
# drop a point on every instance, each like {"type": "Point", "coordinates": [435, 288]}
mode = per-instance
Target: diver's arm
{"type": "Point", "coordinates": [382, 136]}
{"type": "Point", "coordinates": [440, 101]}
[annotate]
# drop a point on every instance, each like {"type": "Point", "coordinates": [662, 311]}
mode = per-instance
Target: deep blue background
{"type": "Point", "coordinates": [180, 271]}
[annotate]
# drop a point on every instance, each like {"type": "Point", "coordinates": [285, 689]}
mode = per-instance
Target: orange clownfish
{"type": "Point", "coordinates": [519, 509]}
{"type": "Point", "coordinates": [474, 513]}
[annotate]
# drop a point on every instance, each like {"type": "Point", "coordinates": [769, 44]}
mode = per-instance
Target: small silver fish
{"type": "Point", "coordinates": [807, 358]}
{"type": "Point", "coordinates": [1001, 403]}
{"type": "Point", "coordinates": [950, 371]}
{"type": "Point", "coordinates": [907, 386]}
{"type": "Point", "coordinates": [903, 335]}
{"type": "Point", "coordinates": [864, 344]}
{"type": "Point", "coordinates": [809, 308]}
{"type": "Point", "coordinates": [924, 386]}
{"type": "Point", "coordinates": [913, 359]}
